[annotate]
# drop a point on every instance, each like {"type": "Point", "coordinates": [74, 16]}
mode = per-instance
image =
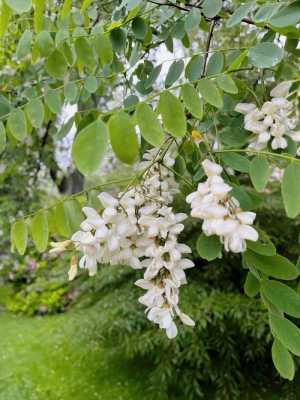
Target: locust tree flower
{"type": "Point", "coordinates": [221, 212]}
{"type": "Point", "coordinates": [139, 228]}
{"type": "Point", "coordinates": [274, 122]}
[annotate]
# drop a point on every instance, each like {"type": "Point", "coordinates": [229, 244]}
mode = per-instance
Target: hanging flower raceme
{"type": "Point", "coordinates": [274, 122]}
{"type": "Point", "coordinates": [221, 212]}
{"type": "Point", "coordinates": [140, 229]}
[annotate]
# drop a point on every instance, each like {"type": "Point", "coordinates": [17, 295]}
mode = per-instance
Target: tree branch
{"type": "Point", "coordinates": [169, 4]}
{"type": "Point", "coordinates": [208, 43]}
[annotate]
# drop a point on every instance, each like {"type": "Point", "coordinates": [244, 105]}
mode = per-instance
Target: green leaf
{"type": "Point", "coordinates": [19, 236]}
{"type": "Point", "coordinates": [265, 55]}
{"type": "Point", "coordinates": [172, 113]}
{"type": "Point", "coordinates": [84, 51]}
{"type": "Point", "coordinates": [259, 172]}
{"type": "Point", "coordinates": [283, 360]}
{"type": "Point", "coordinates": [149, 125]}
{"type": "Point", "coordinates": [61, 221]}
{"type": "Point", "coordinates": [209, 247]}
{"type": "Point", "coordinates": [287, 332]}
{"type": "Point", "coordinates": [2, 137]}
{"type": "Point", "coordinates": [130, 102]}
{"type": "Point", "coordinates": [275, 266]}
{"type": "Point", "coordinates": [174, 73]}
{"type": "Point", "coordinates": [215, 63]}
{"type": "Point", "coordinates": [39, 9]}
{"type": "Point", "coordinates": [240, 13]}
{"type": "Point", "coordinates": [45, 43]}
{"type": "Point", "coordinates": [211, 7]}
{"type": "Point", "coordinates": [104, 49]}
{"type": "Point", "coordinates": [290, 189]}
{"type": "Point", "coordinates": [74, 214]}
{"type": "Point", "coordinates": [192, 20]}
{"type": "Point", "coordinates": [265, 12]}
{"type": "Point", "coordinates": [66, 8]}
{"type": "Point", "coordinates": [282, 297]}
{"type": "Point", "coordinates": [236, 162]}
{"type": "Point", "coordinates": [139, 28]}
{"type": "Point", "coordinates": [234, 136]}
{"type": "Point", "coordinates": [19, 6]}
{"type": "Point", "coordinates": [287, 16]}
{"type": "Point", "coordinates": [152, 77]}
{"type": "Point", "coordinates": [194, 68]}
{"type": "Point", "coordinates": [68, 52]}
{"type": "Point", "coordinates": [53, 100]}
{"type": "Point", "coordinates": [192, 100]}
{"type": "Point", "coordinates": [263, 246]}
{"type": "Point", "coordinates": [56, 65]}
{"type": "Point", "coordinates": [118, 39]}
{"type": "Point", "coordinates": [123, 137]}
{"type": "Point", "coordinates": [210, 93]}
{"type": "Point", "coordinates": [91, 84]}
{"type": "Point", "coordinates": [65, 129]}
{"type": "Point", "coordinates": [251, 286]}
{"type": "Point", "coordinates": [16, 124]}
{"type": "Point", "coordinates": [39, 231]}
{"type": "Point", "coordinates": [35, 112]}
{"type": "Point", "coordinates": [5, 15]}
{"type": "Point", "coordinates": [238, 61]}
{"type": "Point", "coordinates": [89, 147]}
{"type": "Point", "coordinates": [226, 83]}
{"type": "Point", "coordinates": [71, 92]}
{"type": "Point", "coordinates": [24, 45]}
{"type": "Point", "coordinates": [131, 4]}
{"type": "Point", "coordinates": [245, 200]}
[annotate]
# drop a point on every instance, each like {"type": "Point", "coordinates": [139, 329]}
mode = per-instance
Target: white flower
{"type": "Point", "coordinates": [73, 268]}
{"type": "Point", "coordinates": [282, 89]}
{"type": "Point", "coordinates": [244, 108]}
{"type": "Point", "coordinates": [274, 121]}
{"type": "Point", "coordinates": [220, 212]}
{"type": "Point", "coordinates": [140, 229]}
{"type": "Point", "coordinates": [211, 168]}
{"type": "Point", "coordinates": [59, 247]}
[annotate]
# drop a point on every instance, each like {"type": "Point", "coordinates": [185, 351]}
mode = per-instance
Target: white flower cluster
{"type": "Point", "coordinates": [220, 212]}
{"type": "Point", "coordinates": [139, 229]}
{"type": "Point", "coordinates": [273, 121]}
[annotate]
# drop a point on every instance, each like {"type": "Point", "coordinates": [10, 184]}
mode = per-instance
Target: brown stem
{"type": "Point", "coordinates": [208, 43]}
{"type": "Point", "coordinates": [169, 5]}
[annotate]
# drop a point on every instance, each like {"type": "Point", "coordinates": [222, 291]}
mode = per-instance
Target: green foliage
{"type": "Point", "coordinates": [149, 125]}
{"type": "Point", "coordinates": [209, 247]}
{"type": "Point", "coordinates": [259, 172]}
{"type": "Point", "coordinates": [90, 146]}
{"type": "Point", "coordinates": [192, 100]}
{"type": "Point", "coordinates": [123, 137]}
{"type": "Point", "coordinates": [210, 92]}
{"type": "Point", "coordinates": [290, 190]}
{"type": "Point", "coordinates": [283, 360]}
{"type": "Point", "coordinates": [265, 55]}
{"type": "Point", "coordinates": [19, 236]}
{"type": "Point", "coordinates": [172, 114]}
{"type": "Point", "coordinates": [39, 231]}
{"type": "Point", "coordinates": [275, 266]}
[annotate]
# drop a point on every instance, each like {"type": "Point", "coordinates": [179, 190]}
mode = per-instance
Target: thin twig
{"type": "Point", "coordinates": [208, 43]}
{"type": "Point", "coordinates": [168, 4]}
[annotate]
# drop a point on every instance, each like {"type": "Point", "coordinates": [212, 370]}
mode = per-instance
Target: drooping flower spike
{"type": "Point", "coordinates": [221, 212]}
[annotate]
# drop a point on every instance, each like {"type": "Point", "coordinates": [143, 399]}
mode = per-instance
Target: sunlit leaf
{"type": "Point", "coordinates": [89, 147]}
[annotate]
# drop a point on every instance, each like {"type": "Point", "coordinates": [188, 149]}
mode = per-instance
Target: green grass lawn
{"type": "Point", "coordinates": [64, 357]}
{"type": "Point", "coordinates": [59, 358]}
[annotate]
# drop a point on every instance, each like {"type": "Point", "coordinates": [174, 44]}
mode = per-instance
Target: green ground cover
{"type": "Point", "coordinates": [60, 358]}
